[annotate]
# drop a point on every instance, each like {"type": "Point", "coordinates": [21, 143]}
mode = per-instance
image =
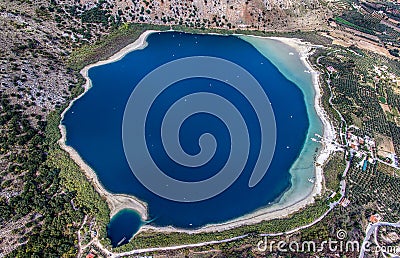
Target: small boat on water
{"type": "Point", "coordinates": [311, 180]}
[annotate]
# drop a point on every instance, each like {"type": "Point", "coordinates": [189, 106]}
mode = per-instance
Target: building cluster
{"type": "Point", "coordinates": [358, 143]}
{"type": "Point", "coordinates": [365, 149]}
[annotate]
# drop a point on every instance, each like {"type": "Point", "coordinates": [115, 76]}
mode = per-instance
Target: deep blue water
{"type": "Point", "coordinates": [123, 226]}
{"type": "Point", "coordinates": [94, 127]}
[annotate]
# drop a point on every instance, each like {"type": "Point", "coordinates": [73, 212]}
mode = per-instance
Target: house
{"type": "Point", "coordinates": [375, 218]}
{"type": "Point", "coordinates": [345, 202]}
{"type": "Point", "coordinates": [353, 146]}
{"type": "Point", "coordinates": [331, 69]}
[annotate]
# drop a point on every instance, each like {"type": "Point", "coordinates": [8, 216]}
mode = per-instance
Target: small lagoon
{"type": "Point", "coordinates": [123, 226]}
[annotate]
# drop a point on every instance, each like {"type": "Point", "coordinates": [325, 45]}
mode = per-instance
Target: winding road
{"type": "Point", "coordinates": [372, 229]}
{"type": "Point", "coordinates": [177, 247]}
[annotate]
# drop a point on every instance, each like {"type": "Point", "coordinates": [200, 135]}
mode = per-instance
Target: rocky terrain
{"type": "Point", "coordinates": [37, 36]}
{"type": "Point", "coordinates": [255, 14]}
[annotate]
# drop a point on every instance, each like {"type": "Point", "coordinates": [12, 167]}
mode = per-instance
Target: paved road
{"type": "Point", "coordinates": [146, 250]}
{"type": "Point", "coordinates": [373, 229]}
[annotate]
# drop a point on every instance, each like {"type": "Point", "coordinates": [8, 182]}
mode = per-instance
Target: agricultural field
{"type": "Point", "coordinates": [366, 91]}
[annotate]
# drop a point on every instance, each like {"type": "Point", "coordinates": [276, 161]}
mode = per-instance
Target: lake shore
{"type": "Point", "coordinates": [286, 205]}
{"type": "Point", "coordinates": [116, 202]}
{"type": "Point", "coordinates": [280, 209]}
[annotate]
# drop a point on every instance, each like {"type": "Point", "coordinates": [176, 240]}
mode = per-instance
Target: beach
{"type": "Point", "coordinates": [116, 202]}
{"type": "Point", "coordinates": [286, 205]}
{"type": "Point", "coordinates": [289, 202]}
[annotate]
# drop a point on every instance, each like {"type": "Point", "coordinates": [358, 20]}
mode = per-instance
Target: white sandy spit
{"type": "Point", "coordinates": [116, 202]}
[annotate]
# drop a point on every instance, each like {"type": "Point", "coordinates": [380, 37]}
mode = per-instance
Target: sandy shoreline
{"type": "Point", "coordinates": [116, 202]}
{"type": "Point", "coordinates": [278, 210]}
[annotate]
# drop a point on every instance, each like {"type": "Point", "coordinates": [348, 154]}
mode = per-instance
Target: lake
{"type": "Point", "coordinates": [94, 126]}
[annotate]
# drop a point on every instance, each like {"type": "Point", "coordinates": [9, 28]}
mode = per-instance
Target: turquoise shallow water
{"type": "Point", "coordinates": [287, 60]}
{"type": "Point", "coordinates": [94, 125]}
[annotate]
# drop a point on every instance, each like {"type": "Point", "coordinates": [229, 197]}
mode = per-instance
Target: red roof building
{"type": "Point", "coordinates": [375, 218]}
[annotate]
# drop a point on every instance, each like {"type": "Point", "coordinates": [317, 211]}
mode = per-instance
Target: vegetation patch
{"type": "Point", "coordinates": [154, 239]}
{"type": "Point", "coordinates": [109, 44]}
{"type": "Point", "coordinates": [352, 25]}
{"type": "Point", "coordinates": [333, 171]}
